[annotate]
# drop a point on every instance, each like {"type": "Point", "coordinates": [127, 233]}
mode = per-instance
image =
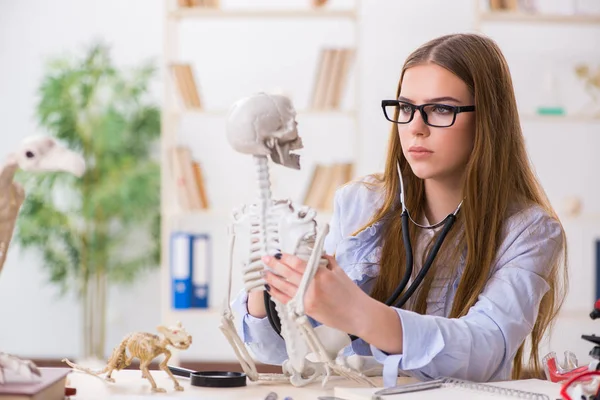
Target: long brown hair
{"type": "Point", "coordinates": [497, 175]}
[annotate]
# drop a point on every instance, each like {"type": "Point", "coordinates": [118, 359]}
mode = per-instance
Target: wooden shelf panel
{"type": "Point", "coordinates": [223, 113]}
{"type": "Point", "coordinates": [506, 16]}
{"type": "Point", "coordinates": [199, 12]}
{"type": "Point", "coordinates": [528, 117]}
{"type": "Point", "coordinates": [213, 312]}
{"type": "Point", "coordinates": [221, 214]}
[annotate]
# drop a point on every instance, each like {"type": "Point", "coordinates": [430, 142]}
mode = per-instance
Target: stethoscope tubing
{"type": "Point", "coordinates": [393, 301]}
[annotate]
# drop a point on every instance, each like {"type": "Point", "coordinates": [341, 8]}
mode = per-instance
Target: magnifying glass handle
{"type": "Point", "coordinates": [180, 371]}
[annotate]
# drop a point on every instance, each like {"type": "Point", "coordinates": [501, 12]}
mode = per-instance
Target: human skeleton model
{"type": "Point", "coordinates": [264, 125]}
{"type": "Point", "coordinates": [146, 347]}
{"type": "Point", "coordinates": [36, 154]}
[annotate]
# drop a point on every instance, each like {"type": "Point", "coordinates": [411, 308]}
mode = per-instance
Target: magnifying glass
{"type": "Point", "coordinates": [210, 378]}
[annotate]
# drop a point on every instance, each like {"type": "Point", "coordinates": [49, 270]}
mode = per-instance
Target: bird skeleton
{"type": "Point", "coordinates": [35, 154]}
{"type": "Point", "coordinates": [264, 125]}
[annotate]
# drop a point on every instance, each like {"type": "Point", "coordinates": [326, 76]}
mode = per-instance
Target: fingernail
{"type": "Point", "coordinates": [268, 287]}
{"type": "Point", "coordinates": [278, 256]}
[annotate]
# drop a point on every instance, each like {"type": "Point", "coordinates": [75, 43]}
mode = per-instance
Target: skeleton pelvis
{"type": "Point", "coordinates": [333, 340]}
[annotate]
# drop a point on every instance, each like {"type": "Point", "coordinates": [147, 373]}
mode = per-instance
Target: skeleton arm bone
{"type": "Point", "coordinates": [227, 326]}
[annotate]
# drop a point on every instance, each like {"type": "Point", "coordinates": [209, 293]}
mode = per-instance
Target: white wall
{"type": "Point", "coordinates": [276, 55]}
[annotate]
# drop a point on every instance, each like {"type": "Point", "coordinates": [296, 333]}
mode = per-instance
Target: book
{"type": "Point", "coordinates": [186, 85]}
{"type": "Point", "coordinates": [460, 389]}
{"type": "Point", "coordinates": [325, 180]}
{"type": "Point", "coordinates": [331, 77]}
{"type": "Point", "coordinates": [186, 167]}
{"type": "Point", "coordinates": [50, 386]}
{"type": "Point", "coordinates": [318, 186]}
{"type": "Point", "coordinates": [199, 177]}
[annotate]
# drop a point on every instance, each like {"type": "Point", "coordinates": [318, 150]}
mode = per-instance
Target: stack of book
{"type": "Point", "coordinates": [189, 180]}
{"type": "Point", "coordinates": [199, 3]}
{"type": "Point", "coordinates": [331, 78]}
{"type": "Point", "coordinates": [326, 179]}
{"type": "Point", "coordinates": [50, 386]}
{"type": "Point", "coordinates": [186, 86]}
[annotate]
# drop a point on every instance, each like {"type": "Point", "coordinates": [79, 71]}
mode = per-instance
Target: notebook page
{"type": "Point", "coordinates": [552, 390]}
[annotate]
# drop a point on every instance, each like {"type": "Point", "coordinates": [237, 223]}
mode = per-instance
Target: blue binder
{"type": "Point", "coordinates": [190, 270]}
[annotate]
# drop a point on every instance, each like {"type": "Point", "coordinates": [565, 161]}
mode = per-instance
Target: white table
{"type": "Point", "coordinates": [130, 382]}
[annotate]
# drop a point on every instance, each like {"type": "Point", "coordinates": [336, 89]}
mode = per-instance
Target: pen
{"type": "Point", "coordinates": [413, 387]}
{"type": "Point", "coordinates": [271, 396]}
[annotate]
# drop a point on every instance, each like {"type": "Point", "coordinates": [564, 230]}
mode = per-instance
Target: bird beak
{"type": "Point", "coordinates": [60, 158]}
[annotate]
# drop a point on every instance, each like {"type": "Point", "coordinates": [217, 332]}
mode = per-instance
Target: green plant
{"type": "Point", "coordinates": [105, 226]}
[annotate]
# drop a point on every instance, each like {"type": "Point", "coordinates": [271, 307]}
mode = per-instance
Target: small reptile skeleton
{"type": "Point", "coordinates": [263, 126]}
{"type": "Point", "coordinates": [35, 154]}
{"type": "Point", "coordinates": [146, 347]}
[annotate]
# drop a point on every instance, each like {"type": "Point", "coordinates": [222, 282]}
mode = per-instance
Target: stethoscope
{"type": "Point", "coordinates": [393, 300]}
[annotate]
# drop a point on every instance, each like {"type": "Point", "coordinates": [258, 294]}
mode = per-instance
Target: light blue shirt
{"type": "Point", "coordinates": [479, 346]}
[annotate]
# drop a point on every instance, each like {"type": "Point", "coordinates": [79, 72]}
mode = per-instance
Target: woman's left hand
{"type": "Point", "coordinates": [332, 298]}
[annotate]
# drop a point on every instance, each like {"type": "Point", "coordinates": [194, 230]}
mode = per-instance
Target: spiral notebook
{"type": "Point", "coordinates": [449, 389]}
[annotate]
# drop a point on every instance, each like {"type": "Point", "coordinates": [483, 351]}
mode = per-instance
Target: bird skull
{"type": "Point", "coordinates": [44, 153]}
{"type": "Point", "coordinates": [265, 124]}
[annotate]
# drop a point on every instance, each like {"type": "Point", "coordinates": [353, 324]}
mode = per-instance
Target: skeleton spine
{"type": "Point", "coordinates": [264, 235]}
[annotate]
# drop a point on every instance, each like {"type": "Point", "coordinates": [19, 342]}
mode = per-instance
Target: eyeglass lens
{"type": "Point", "coordinates": [437, 114]}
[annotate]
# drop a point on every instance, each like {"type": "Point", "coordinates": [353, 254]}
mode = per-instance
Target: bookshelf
{"type": "Point", "coordinates": [509, 16]}
{"type": "Point", "coordinates": [223, 113]}
{"type": "Point", "coordinates": [567, 118]}
{"type": "Point", "coordinates": [546, 133]}
{"type": "Point", "coordinates": [489, 11]}
{"type": "Point", "coordinates": [200, 12]}
{"type": "Point", "coordinates": [180, 105]}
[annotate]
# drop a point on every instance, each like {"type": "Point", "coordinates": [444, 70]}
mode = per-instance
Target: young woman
{"type": "Point", "coordinates": [499, 276]}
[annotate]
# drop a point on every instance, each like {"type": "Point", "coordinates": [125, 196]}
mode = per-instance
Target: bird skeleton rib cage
{"type": "Point", "coordinates": [35, 154]}
{"type": "Point", "coordinates": [264, 125]}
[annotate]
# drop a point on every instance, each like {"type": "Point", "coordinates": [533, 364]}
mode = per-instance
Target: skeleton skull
{"type": "Point", "coordinates": [177, 335]}
{"type": "Point", "coordinates": [265, 124]}
{"type": "Point", "coordinates": [43, 153]}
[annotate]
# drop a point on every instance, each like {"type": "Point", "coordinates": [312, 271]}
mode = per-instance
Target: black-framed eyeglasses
{"type": "Point", "coordinates": [434, 114]}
